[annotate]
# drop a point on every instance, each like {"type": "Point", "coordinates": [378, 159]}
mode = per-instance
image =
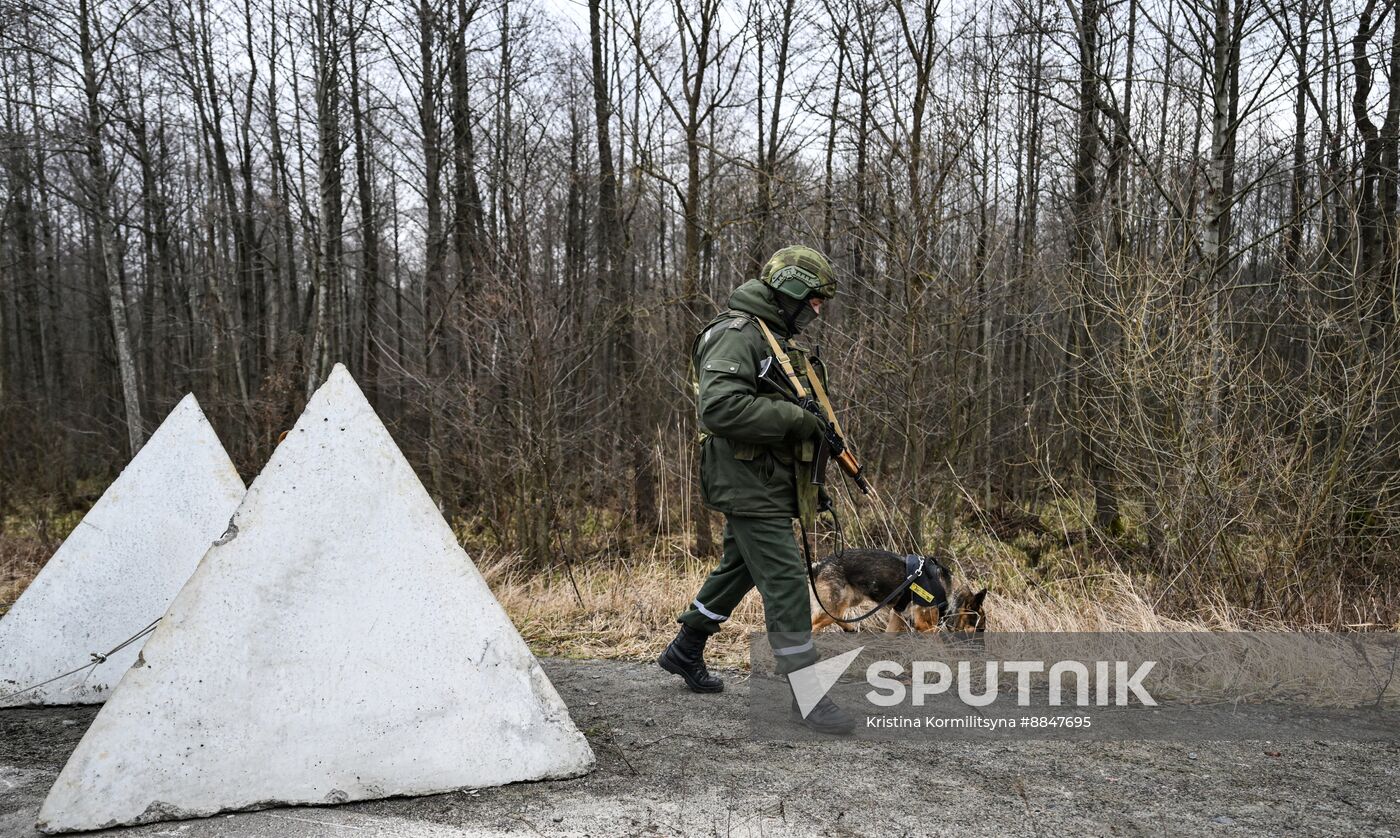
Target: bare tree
{"type": "Point", "coordinates": [1136, 257]}
{"type": "Point", "coordinates": [99, 205]}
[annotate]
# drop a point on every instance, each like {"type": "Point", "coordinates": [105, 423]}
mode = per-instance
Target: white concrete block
{"type": "Point", "coordinates": [340, 646]}
{"type": "Point", "coordinates": [121, 566]}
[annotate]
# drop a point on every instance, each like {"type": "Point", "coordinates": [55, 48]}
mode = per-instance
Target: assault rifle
{"type": "Point", "coordinates": [830, 443]}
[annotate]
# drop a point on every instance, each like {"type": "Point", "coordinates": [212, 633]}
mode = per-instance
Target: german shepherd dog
{"type": "Point", "coordinates": [858, 575]}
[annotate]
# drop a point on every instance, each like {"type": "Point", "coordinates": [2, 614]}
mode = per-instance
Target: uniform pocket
{"type": "Point", "coordinates": [747, 451]}
{"type": "Point", "coordinates": [706, 469]}
{"type": "Point", "coordinates": [778, 475]}
{"type": "Point", "coordinates": [767, 465]}
{"type": "Point", "coordinates": [761, 485]}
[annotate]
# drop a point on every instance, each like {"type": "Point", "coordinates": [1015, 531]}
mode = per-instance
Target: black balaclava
{"type": "Point", "coordinates": [797, 314]}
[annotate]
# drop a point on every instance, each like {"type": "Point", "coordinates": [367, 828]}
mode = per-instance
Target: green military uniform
{"type": "Point", "coordinates": [755, 467]}
{"type": "Point", "coordinates": [756, 460]}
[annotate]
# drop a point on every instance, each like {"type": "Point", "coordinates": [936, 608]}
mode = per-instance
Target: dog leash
{"type": "Point", "coordinates": [853, 469]}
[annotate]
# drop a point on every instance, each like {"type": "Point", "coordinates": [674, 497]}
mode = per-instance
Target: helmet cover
{"type": "Point", "coordinates": [799, 272]}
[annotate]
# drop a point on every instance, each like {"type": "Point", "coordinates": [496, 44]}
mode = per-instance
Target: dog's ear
{"type": "Point", "coordinates": [944, 574]}
{"type": "Point", "coordinates": [975, 603]}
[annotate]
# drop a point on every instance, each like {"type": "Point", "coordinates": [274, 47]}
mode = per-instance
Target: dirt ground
{"type": "Point", "coordinates": [673, 763]}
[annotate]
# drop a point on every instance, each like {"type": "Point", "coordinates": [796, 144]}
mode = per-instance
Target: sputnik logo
{"type": "Point", "coordinates": [811, 683]}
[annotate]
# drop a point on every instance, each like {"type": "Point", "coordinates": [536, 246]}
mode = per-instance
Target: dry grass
{"type": "Point", "coordinates": [626, 609]}
{"type": "Point", "coordinates": [20, 559]}
{"type": "Point", "coordinates": [628, 612]}
{"type": "Point", "coordinates": [27, 539]}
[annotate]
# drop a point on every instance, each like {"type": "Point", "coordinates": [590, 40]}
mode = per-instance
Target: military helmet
{"type": "Point", "coordinates": [800, 272]}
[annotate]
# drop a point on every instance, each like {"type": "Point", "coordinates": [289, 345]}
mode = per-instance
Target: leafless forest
{"type": "Point", "coordinates": [1141, 254]}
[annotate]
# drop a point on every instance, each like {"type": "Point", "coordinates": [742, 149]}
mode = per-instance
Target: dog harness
{"type": "Point", "coordinates": [923, 585]}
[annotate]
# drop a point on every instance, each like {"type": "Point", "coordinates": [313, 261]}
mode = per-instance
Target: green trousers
{"type": "Point", "coordinates": [760, 552]}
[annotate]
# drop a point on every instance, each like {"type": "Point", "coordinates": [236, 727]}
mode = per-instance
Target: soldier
{"type": "Point", "coordinates": [756, 467]}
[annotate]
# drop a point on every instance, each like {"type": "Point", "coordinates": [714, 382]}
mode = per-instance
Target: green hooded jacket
{"type": "Point", "coordinates": [755, 445]}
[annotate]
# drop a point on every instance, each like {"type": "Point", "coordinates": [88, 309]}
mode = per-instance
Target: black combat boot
{"type": "Point", "coordinates": [826, 717]}
{"type": "Point", "coordinates": [686, 657]}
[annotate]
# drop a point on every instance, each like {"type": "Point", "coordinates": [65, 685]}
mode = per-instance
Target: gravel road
{"type": "Point", "coordinates": [671, 763]}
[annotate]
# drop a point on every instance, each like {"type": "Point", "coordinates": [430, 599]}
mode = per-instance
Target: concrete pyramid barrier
{"type": "Point", "coordinates": [120, 567]}
{"type": "Point", "coordinates": [339, 646]}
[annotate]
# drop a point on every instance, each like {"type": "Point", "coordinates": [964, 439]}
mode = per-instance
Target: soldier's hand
{"type": "Point", "coordinates": [807, 427]}
{"type": "Point", "coordinates": [833, 440]}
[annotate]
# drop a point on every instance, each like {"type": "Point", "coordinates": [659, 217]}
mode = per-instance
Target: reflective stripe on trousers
{"type": "Point", "coordinates": [700, 606]}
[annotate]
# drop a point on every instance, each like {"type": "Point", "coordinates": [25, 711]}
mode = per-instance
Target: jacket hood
{"type": "Point", "coordinates": [753, 297]}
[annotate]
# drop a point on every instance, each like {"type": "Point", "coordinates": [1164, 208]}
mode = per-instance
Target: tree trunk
{"type": "Point", "coordinates": [1088, 378]}
{"type": "Point", "coordinates": [104, 230]}
{"type": "Point", "coordinates": [768, 154]}
{"type": "Point", "coordinates": [330, 208]}
{"type": "Point", "coordinates": [369, 222]}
